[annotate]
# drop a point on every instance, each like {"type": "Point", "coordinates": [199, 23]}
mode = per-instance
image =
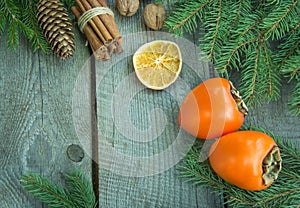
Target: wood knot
{"type": "Point", "coordinates": [75, 153]}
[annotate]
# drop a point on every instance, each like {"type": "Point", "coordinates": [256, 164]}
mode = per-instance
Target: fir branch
{"type": "Point", "coordinates": [265, 5]}
{"type": "Point", "coordinates": [276, 19]}
{"type": "Point", "coordinates": [186, 15]}
{"type": "Point", "coordinates": [273, 79]}
{"type": "Point", "coordinates": [20, 16]}
{"type": "Point", "coordinates": [216, 31]}
{"type": "Point", "coordinates": [238, 12]}
{"type": "Point", "coordinates": [2, 18]}
{"type": "Point", "coordinates": [295, 99]}
{"type": "Point", "coordinates": [254, 79]}
{"type": "Point", "coordinates": [232, 56]}
{"type": "Point", "coordinates": [238, 35]}
{"type": "Point", "coordinates": [191, 171]}
{"type": "Point", "coordinates": [288, 63]}
{"type": "Point", "coordinates": [13, 36]}
{"type": "Point", "coordinates": [46, 191]}
{"type": "Point", "coordinates": [77, 194]}
{"type": "Point", "coordinates": [295, 28]}
{"type": "Point", "coordinates": [250, 75]}
{"type": "Point", "coordinates": [218, 22]}
{"type": "Point", "coordinates": [34, 35]}
{"type": "Point", "coordinates": [80, 189]}
{"type": "Point", "coordinates": [12, 10]}
{"type": "Point", "coordinates": [291, 67]}
{"type": "Point", "coordinates": [288, 58]}
{"type": "Point", "coordinates": [192, 14]}
{"type": "Point", "coordinates": [285, 192]}
{"type": "Point", "coordinates": [260, 78]}
{"type": "Point", "coordinates": [249, 24]}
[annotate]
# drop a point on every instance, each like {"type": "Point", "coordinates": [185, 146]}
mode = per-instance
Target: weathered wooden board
{"type": "Point", "coordinates": [138, 131]}
{"type": "Point", "coordinates": [36, 122]}
{"type": "Point", "coordinates": [277, 117]}
{"type": "Point", "coordinates": [46, 106]}
{"type": "Point", "coordinates": [127, 112]}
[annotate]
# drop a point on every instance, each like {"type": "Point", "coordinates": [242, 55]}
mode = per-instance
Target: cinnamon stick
{"type": "Point", "coordinates": [111, 47]}
{"type": "Point", "coordinates": [101, 31]}
{"type": "Point", "coordinates": [107, 20]}
{"type": "Point", "coordinates": [118, 48]}
{"type": "Point", "coordinates": [95, 22]}
{"type": "Point", "coordinates": [119, 42]}
{"type": "Point", "coordinates": [103, 3]}
{"type": "Point", "coordinates": [100, 51]}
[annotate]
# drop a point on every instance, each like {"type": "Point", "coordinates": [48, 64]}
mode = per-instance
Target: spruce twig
{"type": "Point", "coordinates": [185, 16]}
{"type": "Point", "coordinates": [285, 192]}
{"type": "Point", "coordinates": [240, 35]}
{"type": "Point", "coordinates": [80, 189]}
{"type": "Point", "coordinates": [191, 15]}
{"type": "Point", "coordinates": [34, 35]}
{"type": "Point", "coordinates": [46, 191]}
{"type": "Point", "coordinates": [78, 192]}
{"type": "Point", "coordinates": [295, 101]}
{"type": "Point", "coordinates": [19, 16]}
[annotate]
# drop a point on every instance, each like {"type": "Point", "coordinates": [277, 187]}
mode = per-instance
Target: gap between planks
{"type": "Point", "coordinates": [95, 153]}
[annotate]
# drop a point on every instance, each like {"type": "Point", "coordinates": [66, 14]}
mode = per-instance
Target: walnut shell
{"type": "Point", "coordinates": [154, 16]}
{"type": "Point", "coordinates": [127, 7]}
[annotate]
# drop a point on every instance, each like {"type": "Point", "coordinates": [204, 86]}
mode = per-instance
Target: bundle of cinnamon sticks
{"type": "Point", "coordinates": [101, 31]}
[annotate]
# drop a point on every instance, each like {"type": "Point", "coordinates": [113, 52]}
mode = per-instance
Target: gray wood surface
{"type": "Point", "coordinates": [36, 122]}
{"type": "Point", "coordinates": [47, 114]}
{"type": "Point", "coordinates": [138, 128]}
{"type": "Point", "coordinates": [277, 117]}
{"type": "Point", "coordinates": [127, 112]}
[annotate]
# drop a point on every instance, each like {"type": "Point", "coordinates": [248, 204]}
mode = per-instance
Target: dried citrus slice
{"type": "Point", "coordinates": [157, 64]}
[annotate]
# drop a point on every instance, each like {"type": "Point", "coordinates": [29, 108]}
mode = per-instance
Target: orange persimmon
{"type": "Point", "coordinates": [247, 159]}
{"type": "Point", "coordinates": [212, 109]}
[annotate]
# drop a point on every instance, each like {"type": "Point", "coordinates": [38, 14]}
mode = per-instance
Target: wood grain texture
{"type": "Point", "coordinates": [123, 140]}
{"type": "Point", "coordinates": [277, 117]}
{"type": "Point", "coordinates": [137, 126]}
{"type": "Point", "coordinates": [36, 124]}
{"type": "Point", "coordinates": [46, 105]}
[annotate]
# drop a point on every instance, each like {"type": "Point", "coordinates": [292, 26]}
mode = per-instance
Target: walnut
{"type": "Point", "coordinates": [127, 7]}
{"type": "Point", "coordinates": [154, 16]}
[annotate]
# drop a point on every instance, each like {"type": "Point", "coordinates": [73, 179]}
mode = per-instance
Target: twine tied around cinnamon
{"type": "Point", "coordinates": [97, 22]}
{"type": "Point", "coordinates": [89, 14]}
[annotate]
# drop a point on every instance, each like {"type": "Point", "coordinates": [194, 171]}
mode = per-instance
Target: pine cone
{"type": "Point", "coordinates": [56, 27]}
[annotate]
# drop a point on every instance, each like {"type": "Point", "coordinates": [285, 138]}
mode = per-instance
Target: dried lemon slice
{"type": "Point", "coordinates": [157, 64]}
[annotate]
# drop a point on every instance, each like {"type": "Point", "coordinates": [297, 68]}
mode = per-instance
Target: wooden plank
{"type": "Point", "coordinates": [277, 117]}
{"type": "Point", "coordinates": [121, 180]}
{"type": "Point", "coordinates": [137, 126]}
{"type": "Point", "coordinates": [36, 119]}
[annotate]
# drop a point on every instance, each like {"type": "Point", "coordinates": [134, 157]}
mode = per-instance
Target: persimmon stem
{"type": "Point", "coordinates": [238, 99]}
{"type": "Point", "coordinates": [272, 164]}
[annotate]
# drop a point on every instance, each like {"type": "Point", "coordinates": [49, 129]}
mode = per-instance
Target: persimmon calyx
{"type": "Point", "coordinates": [272, 164]}
{"type": "Point", "coordinates": [238, 99]}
